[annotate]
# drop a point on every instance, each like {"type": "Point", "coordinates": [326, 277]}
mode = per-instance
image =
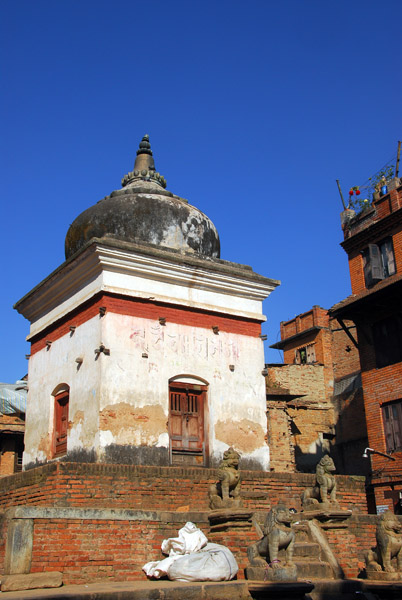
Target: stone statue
{"type": "Point", "coordinates": [389, 546]}
{"type": "Point", "coordinates": [277, 535]}
{"type": "Point", "coordinates": [226, 493]}
{"type": "Point", "coordinates": [324, 492]}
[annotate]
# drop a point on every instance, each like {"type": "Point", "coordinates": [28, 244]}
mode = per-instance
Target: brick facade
{"type": "Point", "coordinates": [11, 443]}
{"type": "Point", "coordinates": [322, 396]}
{"type": "Point", "coordinates": [370, 305]}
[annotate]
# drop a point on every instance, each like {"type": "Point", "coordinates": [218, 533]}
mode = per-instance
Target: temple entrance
{"type": "Point", "coordinates": [187, 405]}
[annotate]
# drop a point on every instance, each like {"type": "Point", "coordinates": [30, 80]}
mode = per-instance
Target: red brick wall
{"type": "Point", "coordinates": [89, 550]}
{"type": "Point", "coordinates": [157, 488]}
{"type": "Point", "coordinates": [345, 355]}
{"type": "Point", "coordinates": [351, 544]}
{"type": "Point", "coordinates": [315, 317]}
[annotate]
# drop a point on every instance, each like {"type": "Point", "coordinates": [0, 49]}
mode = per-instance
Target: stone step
{"type": "Point", "coordinates": [313, 569]}
{"type": "Point", "coordinates": [307, 549]}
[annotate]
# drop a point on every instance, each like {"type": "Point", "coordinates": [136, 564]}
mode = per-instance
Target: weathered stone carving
{"type": "Point", "coordinates": [226, 493]}
{"type": "Point", "coordinates": [389, 546]}
{"type": "Point", "coordinates": [277, 535]}
{"type": "Point", "coordinates": [324, 492]}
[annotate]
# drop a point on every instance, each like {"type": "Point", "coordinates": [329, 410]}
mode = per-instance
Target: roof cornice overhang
{"type": "Point", "coordinates": [373, 232]}
{"type": "Point", "coordinates": [297, 336]}
{"type": "Point", "coordinates": [85, 271]}
{"type": "Point", "coordinates": [382, 298]}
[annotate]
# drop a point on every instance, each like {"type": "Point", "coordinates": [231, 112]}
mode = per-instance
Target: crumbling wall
{"type": "Point", "coordinates": [310, 416]}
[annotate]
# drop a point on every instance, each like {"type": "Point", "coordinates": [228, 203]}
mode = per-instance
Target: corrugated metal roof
{"type": "Point", "coordinates": [13, 397]}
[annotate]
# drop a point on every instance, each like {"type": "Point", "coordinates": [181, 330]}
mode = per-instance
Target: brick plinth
{"type": "Point", "coordinates": [99, 544]}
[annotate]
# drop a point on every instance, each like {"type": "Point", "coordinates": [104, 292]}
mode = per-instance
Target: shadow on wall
{"type": "Point", "coordinates": [351, 433]}
{"type": "Point", "coordinates": [306, 462]}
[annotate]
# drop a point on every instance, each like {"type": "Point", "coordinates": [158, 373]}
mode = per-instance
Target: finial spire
{"type": "Point", "coordinates": [144, 166]}
{"type": "Point", "coordinates": [145, 146]}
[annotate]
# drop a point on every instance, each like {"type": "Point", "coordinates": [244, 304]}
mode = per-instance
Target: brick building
{"type": "Point", "coordinates": [12, 426]}
{"type": "Point", "coordinates": [316, 396]}
{"type": "Point", "coordinates": [373, 243]}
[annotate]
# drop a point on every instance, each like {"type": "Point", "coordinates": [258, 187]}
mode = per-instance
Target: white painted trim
{"type": "Point", "coordinates": [230, 290]}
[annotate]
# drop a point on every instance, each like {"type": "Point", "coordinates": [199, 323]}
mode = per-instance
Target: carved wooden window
{"type": "Point", "coordinates": [61, 402]}
{"type": "Point", "coordinates": [186, 419]}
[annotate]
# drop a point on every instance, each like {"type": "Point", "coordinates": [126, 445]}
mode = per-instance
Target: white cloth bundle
{"type": "Point", "coordinates": [191, 558]}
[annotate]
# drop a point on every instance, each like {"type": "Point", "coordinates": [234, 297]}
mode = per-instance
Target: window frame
{"type": "Point", "coordinates": [378, 261]}
{"type": "Point", "coordinates": [392, 425]}
{"type": "Point", "coordinates": [61, 399]}
{"type": "Point", "coordinates": [309, 351]}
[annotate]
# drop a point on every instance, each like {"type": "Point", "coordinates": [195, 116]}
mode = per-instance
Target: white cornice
{"type": "Point", "coordinates": [223, 287]}
{"type": "Point", "coordinates": [182, 274]}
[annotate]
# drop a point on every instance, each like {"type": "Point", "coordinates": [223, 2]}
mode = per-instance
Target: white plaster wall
{"type": "Point", "coordinates": [50, 368]}
{"type": "Point", "coordinates": [236, 399]}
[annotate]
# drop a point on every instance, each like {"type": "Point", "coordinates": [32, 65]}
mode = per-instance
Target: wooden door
{"type": "Point", "coordinates": [60, 423]}
{"type": "Point", "coordinates": [186, 420]}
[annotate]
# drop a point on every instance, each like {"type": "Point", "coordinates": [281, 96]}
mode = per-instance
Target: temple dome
{"type": "Point", "coordinates": [143, 211]}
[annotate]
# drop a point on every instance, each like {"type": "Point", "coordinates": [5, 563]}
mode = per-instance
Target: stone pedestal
{"type": "Point", "coordinates": [329, 516]}
{"type": "Point", "coordinates": [222, 520]}
{"type": "Point", "coordinates": [383, 575]}
{"type": "Point", "coordinates": [279, 574]}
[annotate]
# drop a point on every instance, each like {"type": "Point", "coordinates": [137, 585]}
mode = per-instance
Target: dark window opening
{"type": "Point", "coordinates": [392, 419]}
{"type": "Point", "coordinates": [378, 262]}
{"type": "Point", "coordinates": [18, 455]}
{"type": "Point", "coordinates": [305, 355]}
{"type": "Point", "coordinates": [387, 337]}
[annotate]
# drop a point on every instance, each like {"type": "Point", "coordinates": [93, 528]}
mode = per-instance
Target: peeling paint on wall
{"type": "Point", "coordinates": [45, 446]}
{"type": "Point", "coordinates": [248, 435]}
{"type": "Point", "coordinates": [126, 424]}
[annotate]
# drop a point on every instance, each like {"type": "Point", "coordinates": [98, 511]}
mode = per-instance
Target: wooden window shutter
{"type": "Point", "coordinates": [397, 422]}
{"type": "Point", "coordinates": [373, 269]}
{"type": "Point", "coordinates": [310, 353]}
{"type": "Point", "coordinates": [387, 419]}
{"type": "Point", "coordinates": [388, 257]}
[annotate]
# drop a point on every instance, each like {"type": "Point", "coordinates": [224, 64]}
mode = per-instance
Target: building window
{"type": "Point", "coordinates": [305, 355]}
{"type": "Point", "coordinates": [378, 262]}
{"type": "Point", "coordinates": [387, 337]}
{"type": "Point", "coordinates": [61, 402]}
{"type": "Point", "coordinates": [392, 419]}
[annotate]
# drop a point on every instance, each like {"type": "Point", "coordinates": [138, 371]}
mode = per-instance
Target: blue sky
{"type": "Point", "coordinates": [254, 109]}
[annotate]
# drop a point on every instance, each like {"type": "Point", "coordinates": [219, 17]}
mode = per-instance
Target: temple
{"type": "Point", "coordinates": [146, 346]}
